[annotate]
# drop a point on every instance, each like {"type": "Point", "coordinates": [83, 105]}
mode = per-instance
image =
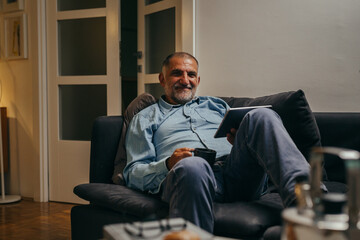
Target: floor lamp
{"type": "Point", "coordinates": [9, 198]}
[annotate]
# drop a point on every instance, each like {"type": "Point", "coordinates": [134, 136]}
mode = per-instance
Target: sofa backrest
{"type": "Point", "coordinates": [338, 130]}
{"type": "Point", "coordinates": [295, 113]}
{"type": "Point", "coordinates": [104, 144]}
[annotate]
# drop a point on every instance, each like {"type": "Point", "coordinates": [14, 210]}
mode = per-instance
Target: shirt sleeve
{"type": "Point", "coordinates": [143, 172]}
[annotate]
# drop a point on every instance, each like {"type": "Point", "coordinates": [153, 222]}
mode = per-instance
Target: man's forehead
{"type": "Point", "coordinates": [181, 62]}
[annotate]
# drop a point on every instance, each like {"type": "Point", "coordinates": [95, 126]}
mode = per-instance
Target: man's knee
{"type": "Point", "coordinates": [263, 114]}
{"type": "Point", "coordinates": [193, 170]}
{"type": "Point", "coordinates": [259, 124]}
{"type": "Point", "coordinates": [191, 178]}
{"type": "Point", "coordinates": [263, 118]}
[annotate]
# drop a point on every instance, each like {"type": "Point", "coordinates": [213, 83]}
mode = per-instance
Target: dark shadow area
{"type": "Point", "coordinates": [128, 49]}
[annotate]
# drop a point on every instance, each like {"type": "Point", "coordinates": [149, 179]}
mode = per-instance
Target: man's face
{"type": "Point", "coordinates": [180, 80]}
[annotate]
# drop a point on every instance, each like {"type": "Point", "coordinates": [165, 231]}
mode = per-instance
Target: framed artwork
{"type": "Point", "coordinates": [12, 5]}
{"type": "Point", "coordinates": [15, 34]}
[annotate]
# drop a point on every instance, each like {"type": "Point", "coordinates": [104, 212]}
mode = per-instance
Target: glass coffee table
{"type": "Point", "coordinates": [154, 230]}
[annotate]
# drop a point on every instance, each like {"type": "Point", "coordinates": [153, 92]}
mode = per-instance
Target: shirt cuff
{"type": "Point", "coordinates": [162, 166]}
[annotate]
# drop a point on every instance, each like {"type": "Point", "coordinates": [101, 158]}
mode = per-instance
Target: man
{"type": "Point", "coordinates": [162, 137]}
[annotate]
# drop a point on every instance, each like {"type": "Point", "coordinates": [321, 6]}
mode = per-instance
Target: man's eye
{"type": "Point", "coordinates": [176, 73]}
{"type": "Point", "coordinates": [192, 75]}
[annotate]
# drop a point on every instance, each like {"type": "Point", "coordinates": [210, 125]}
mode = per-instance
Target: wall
{"type": "Point", "coordinates": [18, 79]}
{"type": "Point", "coordinates": [254, 48]}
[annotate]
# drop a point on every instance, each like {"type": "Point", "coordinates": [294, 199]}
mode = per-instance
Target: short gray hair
{"type": "Point", "coordinates": [166, 61]}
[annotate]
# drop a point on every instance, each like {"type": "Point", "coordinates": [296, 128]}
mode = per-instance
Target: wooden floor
{"type": "Point", "coordinates": [32, 220]}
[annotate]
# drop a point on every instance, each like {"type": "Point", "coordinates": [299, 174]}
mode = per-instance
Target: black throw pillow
{"type": "Point", "coordinates": [295, 113]}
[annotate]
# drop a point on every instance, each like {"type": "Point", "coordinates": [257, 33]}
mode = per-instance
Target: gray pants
{"type": "Point", "coordinates": [262, 149]}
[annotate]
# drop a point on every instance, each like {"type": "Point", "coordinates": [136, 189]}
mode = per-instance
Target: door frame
{"type": "Point", "coordinates": [41, 191]}
{"type": "Point", "coordinates": [68, 161]}
{"type": "Point", "coordinates": [41, 188]}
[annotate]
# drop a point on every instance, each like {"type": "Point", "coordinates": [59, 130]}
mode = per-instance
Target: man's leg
{"type": "Point", "coordinates": [189, 188]}
{"type": "Point", "coordinates": [263, 146]}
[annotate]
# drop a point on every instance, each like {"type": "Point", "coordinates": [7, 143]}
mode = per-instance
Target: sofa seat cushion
{"type": "Point", "coordinates": [247, 219]}
{"type": "Point", "coordinates": [238, 219]}
{"type": "Point", "coordinates": [336, 187]}
{"type": "Point", "coordinates": [122, 199]}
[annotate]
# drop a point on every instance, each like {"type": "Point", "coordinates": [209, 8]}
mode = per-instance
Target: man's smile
{"type": "Point", "coordinates": [181, 87]}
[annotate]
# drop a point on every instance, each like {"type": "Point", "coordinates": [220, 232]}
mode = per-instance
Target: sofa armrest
{"type": "Point", "coordinates": [122, 199]}
{"type": "Point", "coordinates": [104, 144]}
{"type": "Point", "coordinates": [338, 130]}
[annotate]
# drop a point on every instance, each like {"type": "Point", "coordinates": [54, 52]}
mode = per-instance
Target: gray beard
{"type": "Point", "coordinates": [182, 100]}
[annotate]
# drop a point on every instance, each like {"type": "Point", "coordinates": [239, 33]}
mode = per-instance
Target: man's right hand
{"type": "Point", "coordinates": [178, 154]}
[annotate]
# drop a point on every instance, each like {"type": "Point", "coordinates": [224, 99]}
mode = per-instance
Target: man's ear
{"type": "Point", "coordinates": [198, 80]}
{"type": "Point", "coordinates": [161, 79]}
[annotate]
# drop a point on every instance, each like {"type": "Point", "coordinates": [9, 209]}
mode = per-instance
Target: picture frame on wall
{"type": "Point", "coordinates": [15, 35]}
{"type": "Point", "coordinates": [12, 5]}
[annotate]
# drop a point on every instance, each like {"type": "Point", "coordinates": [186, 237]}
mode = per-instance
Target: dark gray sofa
{"type": "Point", "coordinates": [111, 203]}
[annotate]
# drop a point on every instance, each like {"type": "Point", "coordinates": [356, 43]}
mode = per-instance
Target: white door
{"type": "Point", "coordinates": [83, 83]}
{"type": "Point", "coordinates": [164, 26]}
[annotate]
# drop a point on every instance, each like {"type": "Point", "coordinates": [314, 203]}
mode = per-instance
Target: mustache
{"type": "Point", "coordinates": [178, 85]}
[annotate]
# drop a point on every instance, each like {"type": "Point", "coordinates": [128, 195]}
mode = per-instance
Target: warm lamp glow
{"type": "Point", "coordinates": [4, 198]}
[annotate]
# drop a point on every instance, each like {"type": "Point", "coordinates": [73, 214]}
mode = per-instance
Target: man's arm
{"type": "Point", "coordinates": [142, 171]}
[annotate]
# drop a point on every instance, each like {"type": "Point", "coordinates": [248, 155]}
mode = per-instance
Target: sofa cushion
{"type": "Point", "coordinates": [295, 113]}
{"type": "Point", "coordinates": [259, 214]}
{"type": "Point", "coordinates": [341, 130]}
{"type": "Point", "coordinates": [251, 218]}
{"type": "Point", "coordinates": [104, 144]}
{"type": "Point", "coordinates": [122, 199]}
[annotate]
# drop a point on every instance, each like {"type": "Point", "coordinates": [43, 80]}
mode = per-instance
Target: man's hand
{"type": "Point", "coordinates": [178, 154]}
{"type": "Point", "coordinates": [231, 136]}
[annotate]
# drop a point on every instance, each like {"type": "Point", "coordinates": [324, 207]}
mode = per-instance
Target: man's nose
{"type": "Point", "coordinates": [184, 79]}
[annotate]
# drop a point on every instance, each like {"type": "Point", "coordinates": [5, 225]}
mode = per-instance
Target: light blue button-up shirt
{"type": "Point", "coordinates": [158, 130]}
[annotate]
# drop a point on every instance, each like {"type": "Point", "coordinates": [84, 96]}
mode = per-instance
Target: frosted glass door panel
{"type": "Point", "coordinates": [82, 46]}
{"type": "Point", "coordinates": [159, 38]}
{"type": "Point", "coordinates": [154, 89]}
{"type": "Point", "coordinates": [147, 2]}
{"type": "Point", "coordinates": [79, 106]}
{"type": "Point", "coordinates": [64, 5]}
